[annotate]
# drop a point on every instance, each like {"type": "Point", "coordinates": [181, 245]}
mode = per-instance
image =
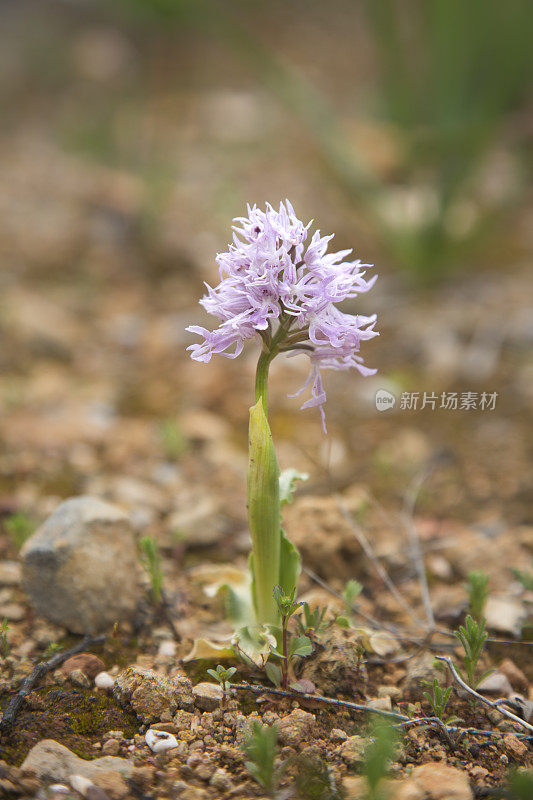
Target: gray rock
{"type": "Point", "coordinates": [496, 683]}
{"type": "Point", "coordinates": [52, 761]}
{"type": "Point", "coordinates": [80, 567]}
{"type": "Point", "coordinates": [150, 694]}
{"type": "Point", "coordinates": [505, 615]}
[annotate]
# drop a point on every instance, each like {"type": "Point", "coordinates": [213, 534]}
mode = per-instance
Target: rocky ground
{"type": "Point", "coordinates": [103, 258]}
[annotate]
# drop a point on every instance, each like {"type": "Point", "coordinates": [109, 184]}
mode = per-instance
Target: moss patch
{"type": "Point", "coordinates": [76, 718]}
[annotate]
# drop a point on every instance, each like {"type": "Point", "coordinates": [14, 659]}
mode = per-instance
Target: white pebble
{"type": "Point", "coordinates": [104, 681]}
{"type": "Point", "coordinates": [80, 784]}
{"type": "Point", "coordinates": [59, 788]}
{"type": "Point", "coordinates": [167, 649]}
{"type": "Point", "coordinates": [159, 741]}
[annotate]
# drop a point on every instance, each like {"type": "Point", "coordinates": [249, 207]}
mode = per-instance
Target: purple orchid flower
{"type": "Point", "coordinates": [271, 275]}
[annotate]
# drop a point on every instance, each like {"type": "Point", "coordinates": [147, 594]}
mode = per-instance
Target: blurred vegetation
{"type": "Point", "coordinates": [19, 527]}
{"type": "Point", "coordinates": [452, 84]}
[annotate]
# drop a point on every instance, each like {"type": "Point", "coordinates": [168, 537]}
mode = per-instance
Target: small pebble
{"type": "Point", "coordinates": [111, 747]}
{"type": "Point", "coordinates": [159, 741]}
{"type": "Point", "coordinates": [337, 735]}
{"type": "Point", "coordinates": [59, 788]}
{"type": "Point", "coordinates": [104, 681]}
{"type": "Point", "coordinates": [79, 678]}
{"type": "Point", "coordinates": [167, 649]}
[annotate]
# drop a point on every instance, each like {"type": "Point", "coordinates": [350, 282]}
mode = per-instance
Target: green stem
{"type": "Point", "coordinates": [264, 514]}
{"type": "Point", "coordinates": [261, 379]}
{"type": "Point", "coordinates": [285, 661]}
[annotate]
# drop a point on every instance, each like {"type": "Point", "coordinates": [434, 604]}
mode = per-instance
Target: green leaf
{"type": "Point", "coordinates": [301, 646]}
{"type": "Point", "coordinates": [235, 587]}
{"type": "Point", "coordinates": [263, 514]}
{"type": "Point", "coordinates": [287, 484]}
{"type": "Point", "coordinates": [352, 590]}
{"type": "Point", "coordinates": [254, 644]}
{"type": "Point", "coordinates": [343, 622]}
{"type": "Point", "coordinates": [238, 606]}
{"type": "Point", "coordinates": [273, 673]}
{"type": "Point", "coordinates": [290, 564]}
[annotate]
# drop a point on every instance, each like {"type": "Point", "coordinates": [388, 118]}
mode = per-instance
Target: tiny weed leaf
{"type": "Point", "coordinates": [152, 563]}
{"type": "Point", "coordinates": [478, 591]}
{"type": "Point", "coordinates": [273, 673]}
{"type": "Point", "coordinates": [260, 749]}
{"type": "Point", "coordinates": [351, 592]}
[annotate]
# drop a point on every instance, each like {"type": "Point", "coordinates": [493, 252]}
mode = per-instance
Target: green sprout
{"type": "Point", "coordinates": [261, 750]}
{"type": "Point", "coordinates": [472, 637]}
{"type": "Point", "coordinates": [314, 780]}
{"type": "Point", "coordinates": [525, 577]}
{"type": "Point", "coordinates": [292, 647]}
{"type": "Point", "coordinates": [172, 438]}
{"type": "Point", "coordinates": [311, 623]}
{"type": "Point", "coordinates": [438, 700]}
{"type": "Point", "coordinates": [5, 648]}
{"type": "Point", "coordinates": [350, 593]}
{"type": "Point", "coordinates": [151, 561]}
{"type": "Point", "coordinates": [223, 676]}
{"type": "Point", "coordinates": [478, 591]}
{"type": "Point", "coordinates": [52, 649]}
{"type": "Point", "coordinates": [379, 754]}
{"type": "Point", "coordinates": [19, 527]}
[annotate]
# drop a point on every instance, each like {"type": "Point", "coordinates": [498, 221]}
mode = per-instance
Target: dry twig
{"type": "Point", "coordinates": [411, 497]}
{"type": "Point", "coordinates": [495, 704]}
{"type": "Point", "coordinates": [451, 733]}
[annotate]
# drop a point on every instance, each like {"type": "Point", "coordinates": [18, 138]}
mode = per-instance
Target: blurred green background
{"type": "Point", "coordinates": [405, 124]}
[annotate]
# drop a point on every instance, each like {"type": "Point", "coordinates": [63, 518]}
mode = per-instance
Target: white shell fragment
{"type": "Point", "coordinates": [104, 681]}
{"type": "Point", "coordinates": [159, 741]}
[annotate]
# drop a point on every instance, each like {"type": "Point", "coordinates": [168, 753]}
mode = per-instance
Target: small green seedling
{"type": "Point", "coordinates": [52, 649]}
{"type": "Point", "coordinates": [378, 756]}
{"type": "Point", "coordinates": [223, 676]}
{"type": "Point", "coordinates": [525, 577]}
{"type": "Point", "coordinates": [261, 750]}
{"type": "Point", "coordinates": [151, 561]}
{"type": "Point", "coordinates": [19, 527]}
{"type": "Point", "coordinates": [472, 637]}
{"type": "Point", "coordinates": [172, 438]}
{"type": "Point", "coordinates": [438, 700]}
{"type": "Point", "coordinates": [314, 779]}
{"type": "Point", "coordinates": [478, 591]}
{"type": "Point", "coordinates": [311, 623]}
{"type": "Point", "coordinates": [350, 593]}
{"type": "Point", "coordinates": [292, 647]}
{"type": "Point", "coordinates": [5, 648]}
